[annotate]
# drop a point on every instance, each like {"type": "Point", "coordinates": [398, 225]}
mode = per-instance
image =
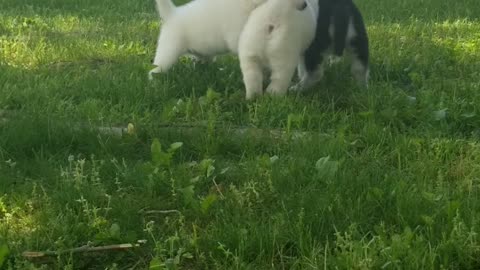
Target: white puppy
{"type": "Point", "coordinates": [276, 36]}
{"type": "Point", "coordinates": [202, 28]}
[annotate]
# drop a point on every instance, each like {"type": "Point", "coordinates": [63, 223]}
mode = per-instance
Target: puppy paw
{"type": "Point", "coordinates": [276, 92]}
{"type": "Point", "coordinates": [333, 59]}
{"type": "Point", "coordinates": [249, 97]}
{"type": "Point", "coordinates": [153, 71]}
{"type": "Point", "coordinates": [362, 82]}
{"type": "Point", "coordinates": [364, 85]}
{"type": "Point", "coordinates": [252, 95]}
{"type": "Point", "coordinates": [298, 87]}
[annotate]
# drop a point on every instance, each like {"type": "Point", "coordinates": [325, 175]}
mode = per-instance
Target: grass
{"type": "Point", "coordinates": [385, 178]}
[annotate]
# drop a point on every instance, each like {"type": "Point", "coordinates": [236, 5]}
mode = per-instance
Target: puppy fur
{"type": "Point", "coordinates": [202, 28]}
{"type": "Point", "coordinates": [340, 26]}
{"type": "Point", "coordinates": [275, 37]}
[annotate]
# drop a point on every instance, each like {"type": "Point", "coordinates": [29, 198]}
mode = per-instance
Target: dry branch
{"type": "Point", "coordinates": [150, 212]}
{"type": "Point", "coordinates": [118, 247]}
{"type": "Point", "coordinates": [192, 128]}
{"type": "Point", "coordinates": [234, 131]}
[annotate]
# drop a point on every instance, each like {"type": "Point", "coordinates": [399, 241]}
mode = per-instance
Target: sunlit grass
{"type": "Point", "coordinates": [30, 42]}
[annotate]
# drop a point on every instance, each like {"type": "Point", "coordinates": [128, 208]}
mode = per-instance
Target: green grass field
{"type": "Point", "coordinates": [337, 178]}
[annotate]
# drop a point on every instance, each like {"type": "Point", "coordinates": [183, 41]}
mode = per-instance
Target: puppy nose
{"type": "Point", "coordinates": [303, 6]}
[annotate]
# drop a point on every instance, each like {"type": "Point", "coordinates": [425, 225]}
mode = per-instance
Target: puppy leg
{"type": "Point", "coordinates": [252, 76]}
{"type": "Point", "coordinates": [201, 59]}
{"type": "Point", "coordinates": [360, 54]}
{"type": "Point", "coordinates": [308, 79]}
{"type": "Point", "coordinates": [169, 48]}
{"type": "Point", "coordinates": [283, 71]}
{"type": "Point", "coordinates": [314, 57]}
{"type": "Point", "coordinates": [302, 73]}
{"type": "Point", "coordinates": [360, 71]}
{"type": "Point", "coordinates": [302, 69]}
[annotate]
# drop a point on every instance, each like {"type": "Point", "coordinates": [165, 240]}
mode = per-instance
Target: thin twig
{"type": "Point", "coordinates": [237, 131]}
{"type": "Point", "coordinates": [86, 248]}
{"type": "Point", "coordinates": [149, 212]}
{"type": "Point", "coordinates": [218, 188]}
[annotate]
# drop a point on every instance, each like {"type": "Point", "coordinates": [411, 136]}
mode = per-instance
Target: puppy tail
{"type": "Point", "coordinates": [165, 8]}
{"type": "Point", "coordinates": [341, 20]}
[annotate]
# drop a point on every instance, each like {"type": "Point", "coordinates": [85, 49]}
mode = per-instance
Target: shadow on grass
{"type": "Point", "coordinates": [424, 11]}
{"type": "Point", "coordinates": [374, 11]}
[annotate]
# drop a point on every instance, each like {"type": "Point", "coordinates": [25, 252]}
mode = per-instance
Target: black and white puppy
{"type": "Point", "coordinates": [340, 26]}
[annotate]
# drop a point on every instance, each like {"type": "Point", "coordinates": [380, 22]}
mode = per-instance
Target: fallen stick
{"type": "Point", "coordinates": [149, 212]}
{"type": "Point", "coordinates": [120, 131]}
{"type": "Point", "coordinates": [236, 131]}
{"type": "Point", "coordinates": [118, 247]}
